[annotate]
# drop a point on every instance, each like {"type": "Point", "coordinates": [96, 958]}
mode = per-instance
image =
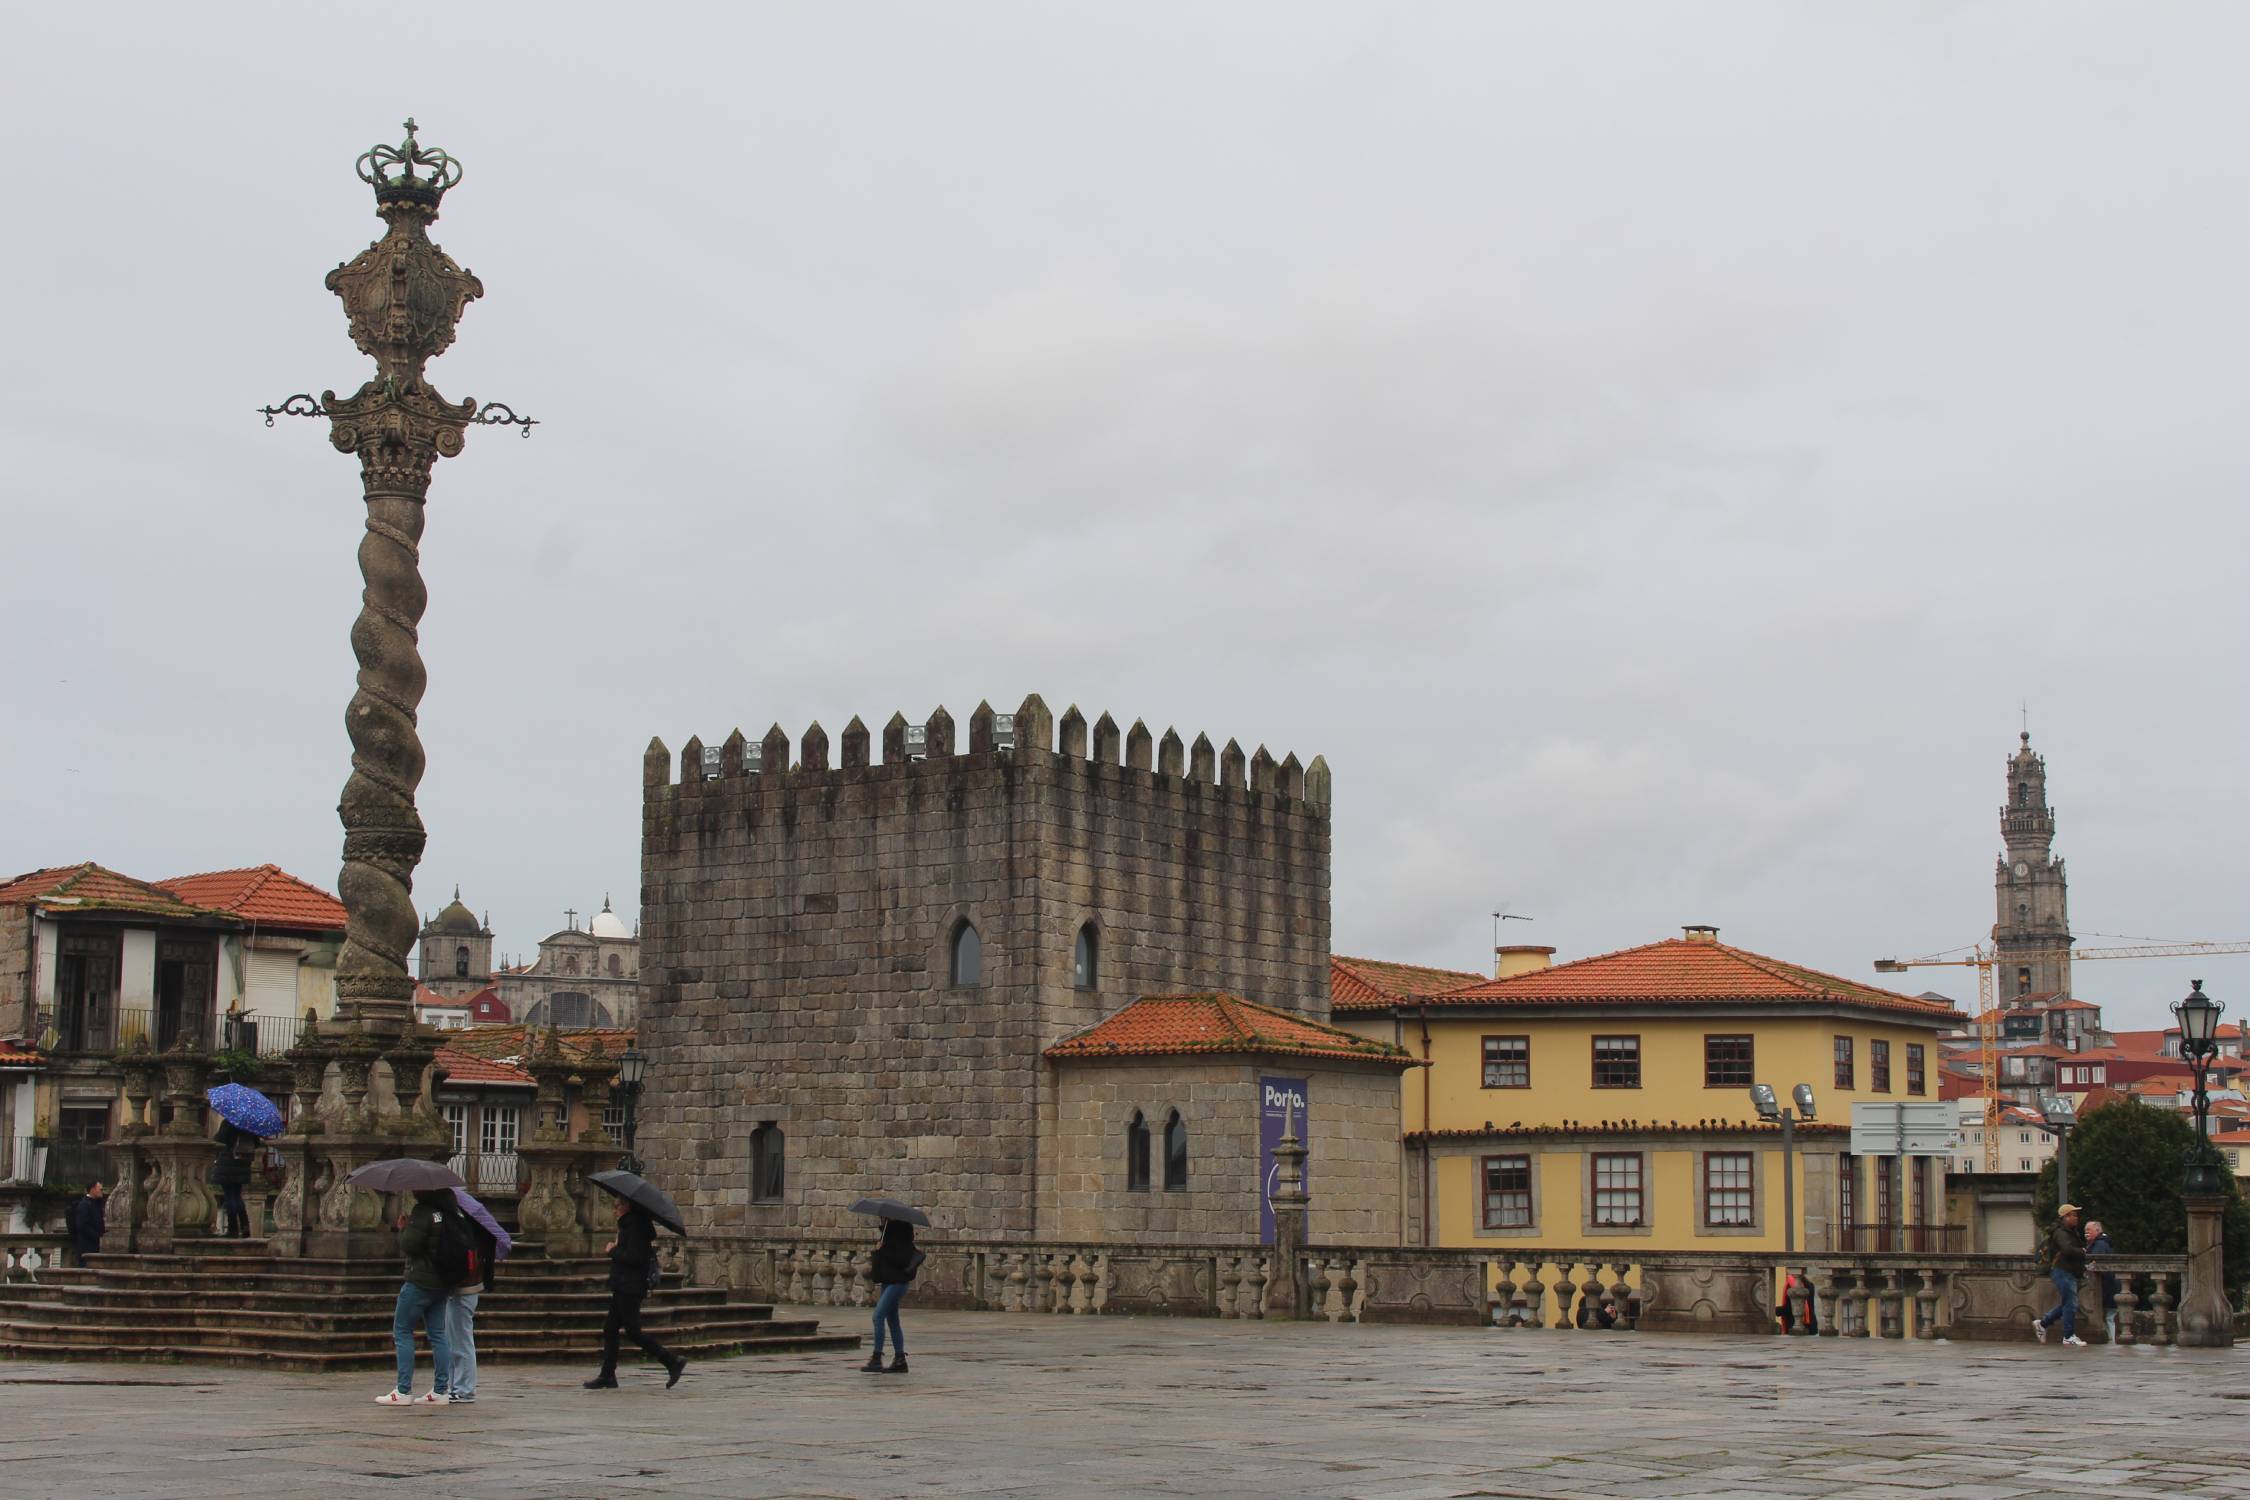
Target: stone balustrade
{"type": "Point", "coordinates": [24, 1255]}
{"type": "Point", "coordinates": [1852, 1296]}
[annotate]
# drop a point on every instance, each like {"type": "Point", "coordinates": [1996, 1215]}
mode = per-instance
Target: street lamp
{"type": "Point", "coordinates": [2057, 1116]}
{"type": "Point", "coordinates": [632, 1071]}
{"type": "Point", "coordinates": [1771, 1108]}
{"type": "Point", "coordinates": [2199, 1042]}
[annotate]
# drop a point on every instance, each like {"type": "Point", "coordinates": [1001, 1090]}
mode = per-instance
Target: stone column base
{"type": "Point", "coordinates": [334, 1220]}
{"type": "Point", "coordinates": [162, 1202]}
{"type": "Point", "coordinates": [2206, 1320]}
{"type": "Point", "coordinates": [559, 1206]}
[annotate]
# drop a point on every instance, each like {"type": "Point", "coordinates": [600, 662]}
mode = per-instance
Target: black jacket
{"type": "Point", "coordinates": [232, 1169]}
{"type": "Point", "coordinates": [88, 1221]}
{"type": "Point", "coordinates": [2067, 1249]}
{"type": "Point", "coordinates": [635, 1252]}
{"type": "Point", "coordinates": [893, 1261]}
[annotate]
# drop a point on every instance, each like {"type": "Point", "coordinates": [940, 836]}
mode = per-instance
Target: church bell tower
{"type": "Point", "coordinates": [2031, 930]}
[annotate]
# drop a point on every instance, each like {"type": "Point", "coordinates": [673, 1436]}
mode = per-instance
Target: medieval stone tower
{"type": "Point", "coordinates": [850, 971]}
{"type": "Point", "coordinates": [2031, 929]}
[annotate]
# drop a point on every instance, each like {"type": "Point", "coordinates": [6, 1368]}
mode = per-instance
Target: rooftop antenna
{"type": "Point", "coordinates": [1503, 915]}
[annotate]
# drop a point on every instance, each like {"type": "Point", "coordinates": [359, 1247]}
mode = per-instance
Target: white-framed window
{"type": "Point", "coordinates": [1617, 1189]}
{"type": "Point", "coordinates": [501, 1128]}
{"type": "Point", "coordinates": [1729, 1189]}
{"type": "Point", "coordinates": [613, 1118]}
{"type": "Point", "coordinates": [1507, 1192]}
{"type": "Point", "coordinates": [457, 1121]}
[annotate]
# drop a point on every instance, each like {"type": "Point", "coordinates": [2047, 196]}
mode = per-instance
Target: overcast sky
{"type": "Point", "coordinates": [1651, 450]}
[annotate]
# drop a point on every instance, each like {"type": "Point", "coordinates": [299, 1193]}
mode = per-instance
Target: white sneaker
{"type": "Point", "coordinates": [394, 1398]}
{"type": "Point", "coordinates": [2039, 1330]}
{"type": "Point", "coordinates": [432, 1398]}
{"type": "Point", "coordinates": [2074, 1342]}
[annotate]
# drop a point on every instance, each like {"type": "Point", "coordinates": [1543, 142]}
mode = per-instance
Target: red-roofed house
{"type": "Point", "coordinates": [1227, 1073]}
{"type": "Point", "coordinates": [1610, 1098]}
{"type": "Point", "coordinates": [282, 962]}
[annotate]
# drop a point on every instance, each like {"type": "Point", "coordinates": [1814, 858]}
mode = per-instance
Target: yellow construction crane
{"type": "Point", "coordinates": [1983, 960]}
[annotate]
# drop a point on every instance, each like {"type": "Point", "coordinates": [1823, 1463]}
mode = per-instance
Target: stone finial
{"type": "Point", "coordinates": [980, 729]}
{"type": "Point", "coordinates": [1261, 771]}
{"type": "Point", "coordinates": [1292, 782]}
{"type": "Point", "coordinates": [1035, 726]}
{"type": "Point", "coordinates": [730, 754]}
{"type": "Point", "coordinates": [1074, 733]}
{"type": "Point", "coordinates": [1230, 765]}
{"type": "Point", "coordinates": [691, 760]}
{"type": "Point", "coordinates": [855, 745]}
{"type": "Point", "coordinates": [656, 764]}
{"type": "Point", "coordinates": [1316, 782]}
{"type": "Point", "coordinates": [1105, 740]}
{"type": "Point", "coordinates": [1171, 756]}
{"type": "Point", "coordinates": [815, 748]}
{"type": "Point", "coordinates": [1138, 746]}
{"type": "Point", "coordinates": [894, 741]}
{"type": "Point", "coordinates": [1203, 761]}
{"type": "Point", "coordinates": [937, 741]}
{"type": "Point", "coordinates": [773, 753]}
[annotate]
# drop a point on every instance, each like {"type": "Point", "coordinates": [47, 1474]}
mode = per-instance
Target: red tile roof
{"type": "Point", "coordinates": [90, 887]}
{"type": "Point", "coordinates": [1683, 971]}
{"type": "Point", "coordinates": [17, 1055]}
{"type": "Point", "coordinates": [518, 1040]}
{"type": "Point", "coordinates": [1368, 984]}
{"type": "Point", "coordinates": [467, 1069]}
{"type": "Point", "coordinates": [1634, 1127]}
{"type": "Point", "coordinates": [266, 895]}
{"type": "Point", "coordinates": [1182, 1025]}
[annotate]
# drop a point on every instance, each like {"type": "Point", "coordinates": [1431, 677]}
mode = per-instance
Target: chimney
{"type": "Point", "coordinates": [1520, 958]}
{"type": "Point", "coordinates": [1701, 932]}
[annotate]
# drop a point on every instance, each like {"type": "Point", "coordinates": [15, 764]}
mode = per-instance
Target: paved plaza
{"type": "Point", "coordinates": [1022, 1405]}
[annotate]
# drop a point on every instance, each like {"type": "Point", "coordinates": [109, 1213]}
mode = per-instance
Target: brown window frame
{"type": "Point", "coordinates": [1917, 1069]}
{"type": "Point", "coordinates": [1485, 1061]}
{"type": "Point", "coordinates": [1847, 1065]}
{"type": "Point", "coordinates": [1878, 1065]}
{"type": "Point", "coordinates": [1748, 1060]}
{"type": "Point", "coordinates": [1486, 1192]}
{"type": "Point", "coordinates": [1639, 1190]}
{"type": "Point", "coordinates": [1598, 1060]}
{"type": "Point", "coordinates": [1747, 1188]}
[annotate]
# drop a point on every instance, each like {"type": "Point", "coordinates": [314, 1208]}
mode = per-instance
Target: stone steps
{"type": "Point", "coordinates": [141, 1349]}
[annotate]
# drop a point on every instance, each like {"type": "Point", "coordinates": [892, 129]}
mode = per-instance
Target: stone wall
{"type": "Point", "coordinates": [19, 989]}
{"type": "Point", "coordinates": [797, 924]}
{"type": "Point", "coordinates": [1353, 1165]}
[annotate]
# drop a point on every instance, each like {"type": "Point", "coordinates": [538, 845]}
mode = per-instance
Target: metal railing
{"type": "Point", "coordinates": [76, 1163]}
{"type": "Point", "coordinates": [490, 1171]}
{"type": "Point", "coordinates": [24, 1159]}
{"type": "Point", "coordinates": [160, 1030]}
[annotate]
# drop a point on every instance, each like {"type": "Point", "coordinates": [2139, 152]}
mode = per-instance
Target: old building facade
{"type": "Point", "coordinates": [588, 976]}
{"type": "Point", "coordinates": [2031, 888]}
{"type": "Point", "coordinates": [855, 968]}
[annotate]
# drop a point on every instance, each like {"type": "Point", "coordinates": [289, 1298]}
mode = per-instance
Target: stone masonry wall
{"type": "Point", "coordinates": [797, 924]}
{"type": "Point", "coordinates": [1353, 1165]}
{"type": "Point", "coordinates": [19, 989]}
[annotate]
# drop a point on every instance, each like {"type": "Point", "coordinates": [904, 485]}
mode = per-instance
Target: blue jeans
{"type": "Point", "coordinates": [461, 1333]}
{"type": "Point", "coordinates": [428, 1309]}
{"type": "Point", "coordinates": [886, 1312]}
{"type": "Point", "coordinates": [2066, 1287]}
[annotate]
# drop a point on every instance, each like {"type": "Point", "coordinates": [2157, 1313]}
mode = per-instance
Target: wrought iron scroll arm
{"type": "Point", "coordinates": [299, 405]}
{"type": "Point", "coordinates": [500, 414]}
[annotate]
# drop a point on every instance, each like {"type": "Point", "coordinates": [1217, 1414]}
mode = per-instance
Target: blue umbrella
{"type": "Point", "coordinates": [246, 1109]}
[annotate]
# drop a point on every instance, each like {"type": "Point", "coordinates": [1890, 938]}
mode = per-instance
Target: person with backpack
{"type": "Point", "coordinates": [633, 1273]}
{"type": "Point", "coordinates": [231, 1174]}
{"type": "Point", "coordinates": [2066, 1263]}
{"type": "Point", "coordinates": [87, 1220]}
{"type": "Point", "coordinates": [892, 1268]}
{"type": "Point", "coordinates": [492, 1244]}
{"type": "Point", "coordinates": [434, 1239]}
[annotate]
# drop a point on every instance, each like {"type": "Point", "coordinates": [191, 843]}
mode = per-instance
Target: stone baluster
{"type": "Point", "coordinates": [1081, 1284]}
{"type": "Point", "coordinates": [1568, 1289]}
{"type": "Point", "coordinates": [1349, 1286]}
{"type": "Point", "coordinates": [2161, 1327]}
{"type": "Point", "coordinates": [1622, 1293]}
{"type": "Point", "coordinates": [1065, 1285]}
{"type": "Point", "coordinates": [1926, 1305]}
{"type": "Point", "coordinates": [1894, 1304]}
{"type": "Point", "coordinates": [1254, 1280]}
{"type": "Point", "coordinates": [1098, 1300]}
{"type": "Point", "coordinates": [1017, 1283]}
{"type": "Point", "coordinates": [816, 1276]}
{"type": "Point", "coordinates": [1855, 1305]}
{"type": "Point", "coordinates": [862, 1263]}
{"type": "Point", "coordinates": [1825, 1303]}
{"type": "Point", "coordinates": [795, 1293]}
{"type": "Point", "coordinates": [1558, 1287]}
{"type": "Point", "coordinates": [1043, 1283]}
{"type": "Point", "coordinates": [1230, 1281]}
{"type": "Point", "coordinates": [2128, 1309]}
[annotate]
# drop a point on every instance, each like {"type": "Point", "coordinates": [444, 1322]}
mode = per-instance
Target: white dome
{"type": "Point", "coordinates": [606, 924]}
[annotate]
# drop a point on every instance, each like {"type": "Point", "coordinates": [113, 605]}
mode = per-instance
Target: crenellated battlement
{"type": "Point", "coordinates": [1027, 736]}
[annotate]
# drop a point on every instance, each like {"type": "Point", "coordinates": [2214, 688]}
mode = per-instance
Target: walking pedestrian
{"type": "Point", "coordinates": [892, 1268]}
{"type": "Point", "coordinates": [632, 1266]}
{"type": "Point", "coordinates": [232, 1174]}
{"type": "Point", "coordinates": [87, 1220]}
{"type": "Point", "coordinates": [2097, 1243]}
{"type": "Point", "coordinates": [421, 1297]}
{"type": "Point", "coordinates": [493, 1245]}
{"type": "Point", "coordinates": [2066, 1263]}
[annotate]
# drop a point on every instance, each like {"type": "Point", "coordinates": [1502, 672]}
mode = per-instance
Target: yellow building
{"type": "Point", "coordinates": [1569, 1105]}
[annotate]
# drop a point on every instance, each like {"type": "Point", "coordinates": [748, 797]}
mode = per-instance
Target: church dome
{"type": "Point", "coordinates": [607, 924]}
{"type": "Point", "coordinates": [457, 918]}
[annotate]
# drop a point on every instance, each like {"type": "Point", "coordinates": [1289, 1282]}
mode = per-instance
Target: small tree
{"type": "Point", "coordinates": [2126, 1161]}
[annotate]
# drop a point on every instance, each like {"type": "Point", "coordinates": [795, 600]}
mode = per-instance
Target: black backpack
{"type": "Point", "coordinates": [454, 1252]}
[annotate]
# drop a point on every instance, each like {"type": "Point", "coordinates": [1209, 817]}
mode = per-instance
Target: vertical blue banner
{"type": "Point", "coordinates": [1281, 1102]}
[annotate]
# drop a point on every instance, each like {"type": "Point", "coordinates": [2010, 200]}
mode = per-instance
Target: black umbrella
{"type": "Point", "coordinates": [891, 1208]}
{"type": "Point", "coordinates": [405, 1174]}
{"type": "Point", "coordinates": [642, 1193]}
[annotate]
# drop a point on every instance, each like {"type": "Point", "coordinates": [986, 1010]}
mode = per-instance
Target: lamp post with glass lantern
{"type": "Point", "coordinates": [632, 1072]}
{"type": "Point", "coordinates": [1771, 1108]}
{"type": "Point", "coordinates": [2198, 1016]}
{"type": "Point", "coordinates": [2057, 1116]}
{"type": "Point", "coordinates": [2206, 1320]}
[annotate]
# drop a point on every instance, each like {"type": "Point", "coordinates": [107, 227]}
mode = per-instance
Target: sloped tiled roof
{"type": "Point", "coordinates": [1369, 984]}
{"type": "Point", "coordinates": [465, 1068]}
{"type": "Point", "coordinates": [1686, 971]}
{"type": "Point", "coordinates": [517, 1040]}
{"type": "Point", "coordinates": [1185, 1025]}
{"type": "Point", "coordinates": [91, 887]}
{"type": "Point", "coordinates": [265, 894]}
{"type": "Point", "coordinates": [17, 1055]}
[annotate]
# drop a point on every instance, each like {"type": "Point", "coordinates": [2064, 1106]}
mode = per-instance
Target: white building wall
{"type": "Point", "coordinates": [136, 972]}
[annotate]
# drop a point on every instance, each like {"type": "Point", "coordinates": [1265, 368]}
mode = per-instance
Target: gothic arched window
{"type": "Point", "coordinates": [616, 967]}
{"type": "Point", "coordinates": [461, 962]}
{"type": "Point", "coordinates": [1136, 1153]}
{"type": "Point", "coordinates": [968, 954]}
{"type": "Point", "coordinates": [2023, 794]}
{"type": "Point", "coordinates": [1085, 959]}
{"type": "Point", "coordinates": [1175, 1153]}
